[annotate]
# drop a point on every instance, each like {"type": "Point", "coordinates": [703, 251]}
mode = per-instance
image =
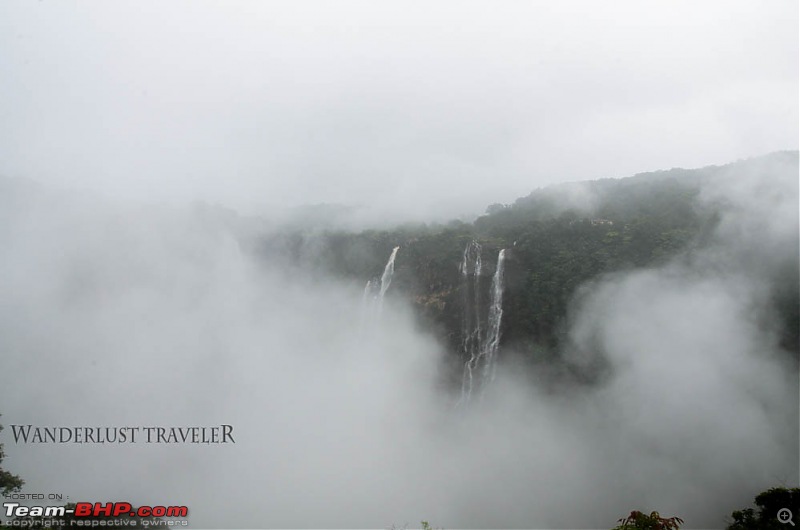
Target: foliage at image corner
{"type": "Point", "coordinates": [768, 503]}
{"type": "Point", "coordinates": [9, 483]}
{"type": "Point", "coordinates": [641, 521]}
{"type": "Point", "coordinates": [764, 517]}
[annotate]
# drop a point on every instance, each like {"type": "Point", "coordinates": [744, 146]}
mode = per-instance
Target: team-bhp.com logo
{"type": "Point", "coordinates": [88, 509]}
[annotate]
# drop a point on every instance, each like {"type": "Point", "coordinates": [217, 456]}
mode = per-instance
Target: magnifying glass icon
{"type": "Point", "coordinates": [785, 516]}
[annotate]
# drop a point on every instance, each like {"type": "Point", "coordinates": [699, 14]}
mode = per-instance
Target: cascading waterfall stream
{"type": "Point", "coordinates": [367, 303]}
{"type": "Point", "coordinates": [368, 292]}
{"type": "Point", "coordinates": [471, 325]}
{"type": "Point", "coordinates": [386, 278]}
{"type": "Point", "coordinates": [482, 355]}
{"type": "Point", "coordinates": [374, 292]}
{"type": "Point", "coordinates": [495, 319]}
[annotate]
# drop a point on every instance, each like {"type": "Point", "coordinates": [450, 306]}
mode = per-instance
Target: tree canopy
{"type": "Point", "coordinates": [9, 483]}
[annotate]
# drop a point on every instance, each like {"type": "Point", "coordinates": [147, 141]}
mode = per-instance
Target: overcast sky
{"type": "Point", "coordinates": [423, 108]}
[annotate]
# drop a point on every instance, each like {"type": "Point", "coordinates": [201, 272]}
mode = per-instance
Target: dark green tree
{"type": "Point", "coordinates": [769, 503]}
{"type": "Point", "coordinates": [641, 521]}
{"type": "Point", "coordinates": [9, 483]}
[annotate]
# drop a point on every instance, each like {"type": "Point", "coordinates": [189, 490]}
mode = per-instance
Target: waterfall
{"type": "Point", "coordinates": [368, 292]}
{"type": "Point", "coordinates": [388, 272]}
{"type": "Point", "coordinates": [386, 277]}
{"type": "Point", "coordinates": [481, 354]}
{"type": "Point", "coordinates": [367, 303]}
{"type": "Point", "coordinates": [471, 322]}
{"type": "Point", "coordinates": [374, 291]}
{"type": "Point", "coordinates": [495, 318]}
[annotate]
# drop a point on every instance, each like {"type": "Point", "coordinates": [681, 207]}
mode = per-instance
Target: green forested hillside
{"type": "Point", "coordinates": [557, 238]}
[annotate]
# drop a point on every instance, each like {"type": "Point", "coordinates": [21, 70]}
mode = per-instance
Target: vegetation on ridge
{"type": "Point", "coordinates": [558, 239]}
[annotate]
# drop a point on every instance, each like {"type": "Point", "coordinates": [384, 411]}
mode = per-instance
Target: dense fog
{"type": "Point", "coordinates": [148, 148]}
{"type": "Point", "coordinates": [136, 315]}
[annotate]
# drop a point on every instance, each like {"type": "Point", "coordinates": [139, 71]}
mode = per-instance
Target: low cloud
{"type": "Point", "coordinates": [126, 315]}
